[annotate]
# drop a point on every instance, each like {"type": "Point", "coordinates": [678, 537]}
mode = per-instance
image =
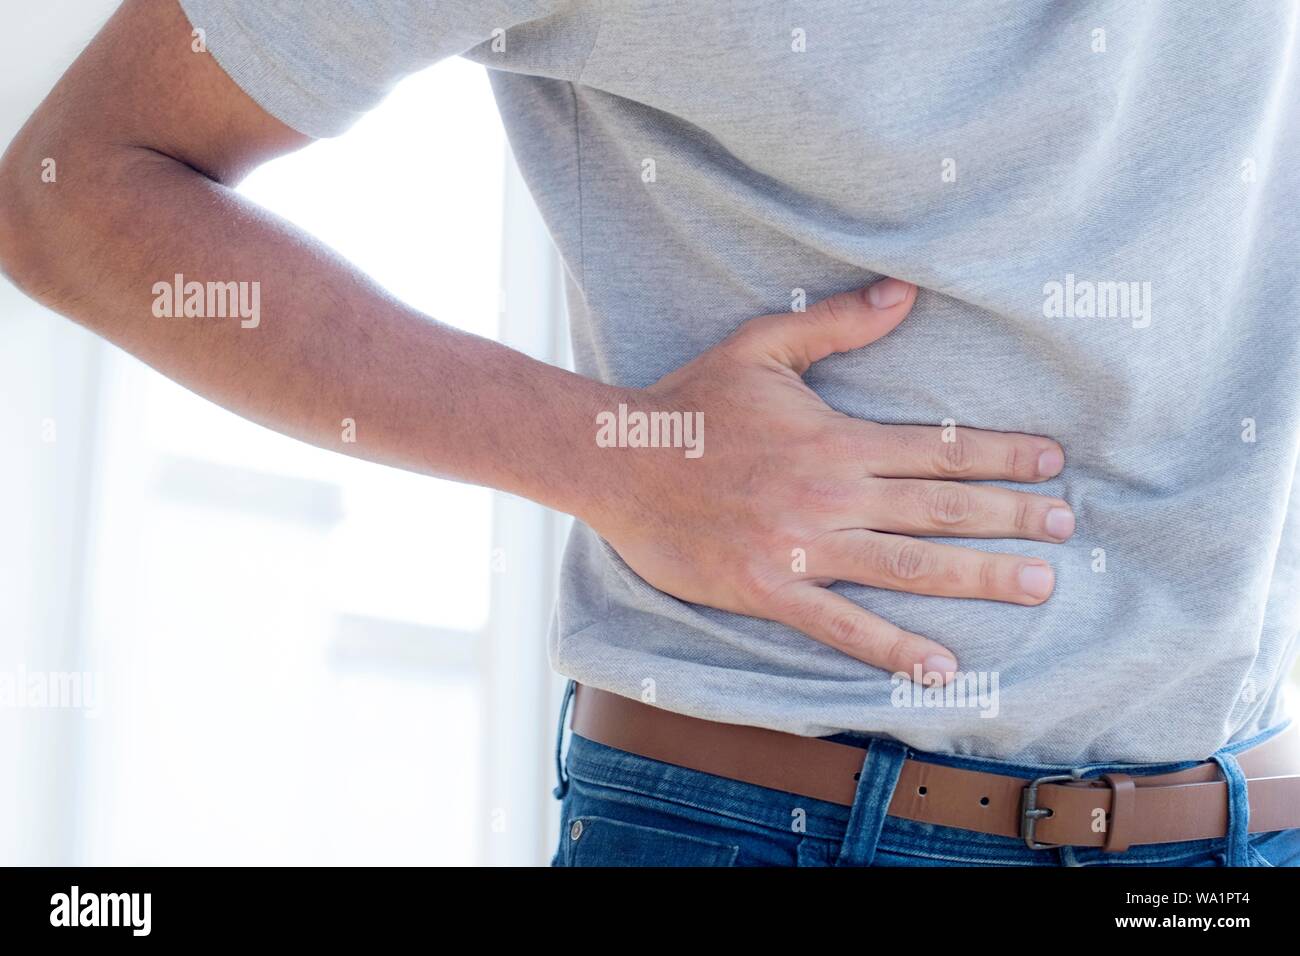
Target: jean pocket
{"type": "Point", "coordinates": [1256, 858]}
{"type": "Point", "coordinates": [1277, 848]}
{"type": "Point", "coordinates": [600, 841]}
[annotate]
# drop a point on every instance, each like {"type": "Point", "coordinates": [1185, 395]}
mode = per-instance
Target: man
{"type": "Point", "coordinates": [844, 279]}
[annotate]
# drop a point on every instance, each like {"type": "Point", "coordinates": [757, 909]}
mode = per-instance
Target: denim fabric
{"type": "Point", "coordinates": [620, 809]}
{"type": "Point", "coordinates": [1237, 839]}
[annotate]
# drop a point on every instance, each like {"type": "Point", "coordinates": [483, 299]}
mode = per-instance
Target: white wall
{"type": "Point", "coordinates": [273, 722]}
{"type": "Point", "coordinates": [48, 370]}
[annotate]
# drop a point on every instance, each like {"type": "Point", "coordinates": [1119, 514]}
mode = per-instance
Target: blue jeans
{"type": "Point", "coordinates": [620, 809]}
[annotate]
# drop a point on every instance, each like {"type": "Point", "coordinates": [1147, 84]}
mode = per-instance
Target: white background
{"type": "Point", "coordinates": [295, 657]}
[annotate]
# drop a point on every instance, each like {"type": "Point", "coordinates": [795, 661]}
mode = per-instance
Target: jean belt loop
{"type": "Point", "coordinates": [562, 778]}
{"type": "Point", "coordinates": [1238, 836]}
{"type": "Point", "coordinates": [876, 782]}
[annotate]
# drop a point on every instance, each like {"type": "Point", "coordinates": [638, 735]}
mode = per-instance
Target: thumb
{"type": "Point", "coordinates": [841, 323]}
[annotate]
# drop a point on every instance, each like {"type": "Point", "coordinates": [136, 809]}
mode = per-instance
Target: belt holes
{"type": "Point", "coordinates": [921, 791]}
{"type": "Point", "coordinates": [858, 775]}
{"type": "Point", "coordinates": [984, 801]}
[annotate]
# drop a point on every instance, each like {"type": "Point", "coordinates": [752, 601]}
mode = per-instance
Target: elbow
{"type": "Point", "coordinates": [21, 253]}
{"type": "Point", "coordinates": [11, 227]}
{"type": "Point", "coordinates": [49, 175]}
{"type": "Point", "coordinates": [61, 234]}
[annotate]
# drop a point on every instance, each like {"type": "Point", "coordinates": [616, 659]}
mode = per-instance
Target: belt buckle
{"type": "Point", "coordinates": [1031, 812]}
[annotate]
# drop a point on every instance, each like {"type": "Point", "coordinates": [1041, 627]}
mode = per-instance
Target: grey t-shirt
{"type": "Point", "coordinates": [1098, 201]}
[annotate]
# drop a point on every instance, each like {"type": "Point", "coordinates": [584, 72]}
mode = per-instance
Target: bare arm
{"type": "Point", "coordinates": [149, 138]}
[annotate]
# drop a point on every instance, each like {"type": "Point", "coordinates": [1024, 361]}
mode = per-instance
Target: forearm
{"type": "Point", "coordinates": [328, 346]}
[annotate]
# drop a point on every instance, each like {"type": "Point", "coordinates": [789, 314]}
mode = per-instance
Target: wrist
{"type": "Point", "coordinates": [555, 458]}
{"type": "Point", "coordinates": [602, 473]}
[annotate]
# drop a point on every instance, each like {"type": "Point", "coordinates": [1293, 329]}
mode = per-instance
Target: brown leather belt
{"type": "Point", "coordinates": [1051, 811]}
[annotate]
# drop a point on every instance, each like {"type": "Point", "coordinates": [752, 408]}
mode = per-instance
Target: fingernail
{"type": "Point", "coordinates": [1050, 462]}
{"type": "Point", "coordinates": [936, 668]}
{"type": "Point", "coordinates": [1059, 522]}
{"type": "Point", "coordinates": [888, 292]}
{"type": "Point", "coordinates": [1036, 580]}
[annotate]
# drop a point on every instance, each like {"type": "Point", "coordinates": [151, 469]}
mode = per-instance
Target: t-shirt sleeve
{"type": "Point", "coordinates": [319, 65]}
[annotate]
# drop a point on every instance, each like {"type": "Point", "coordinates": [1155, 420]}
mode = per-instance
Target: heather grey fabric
{"type": "Point", "coordinates": [698, 162]}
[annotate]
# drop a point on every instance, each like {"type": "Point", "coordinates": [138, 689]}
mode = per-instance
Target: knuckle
{"type": "Point", "coordinates": [1023, 516]}
{"type": "Point", "coordinates": [989, 577]}
{"type": "Point", "coordinates": [798, 611]}
{"type": "Point", "coordinates": [1014, 464]}
{"type": "Point", "coordinates": [956, 458]}
{"type": "Point", "coordinates": [948, 505]}
{"type": "Point", "coordinates": [907, 561]}
{"type": "Point", "coordinates": [892, 651]}
{"type": "Point", "coordinates": [831, 310]}
{"type": "Point", "coordinates": [844, 629]}
{"type": "Point", "coordinates": [838, 308]}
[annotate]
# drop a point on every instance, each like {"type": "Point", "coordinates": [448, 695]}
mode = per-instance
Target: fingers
{"type": "Point", "coordinates": [952, 509]}
{"type": "Point", "coordinates": [899, 563]}
{"type": "Point", "coordinates": [841, 323]}
{"type": "Point", "coordinates": [923, 451]}
{"type": "Point", "coordinates": [837, 622]}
